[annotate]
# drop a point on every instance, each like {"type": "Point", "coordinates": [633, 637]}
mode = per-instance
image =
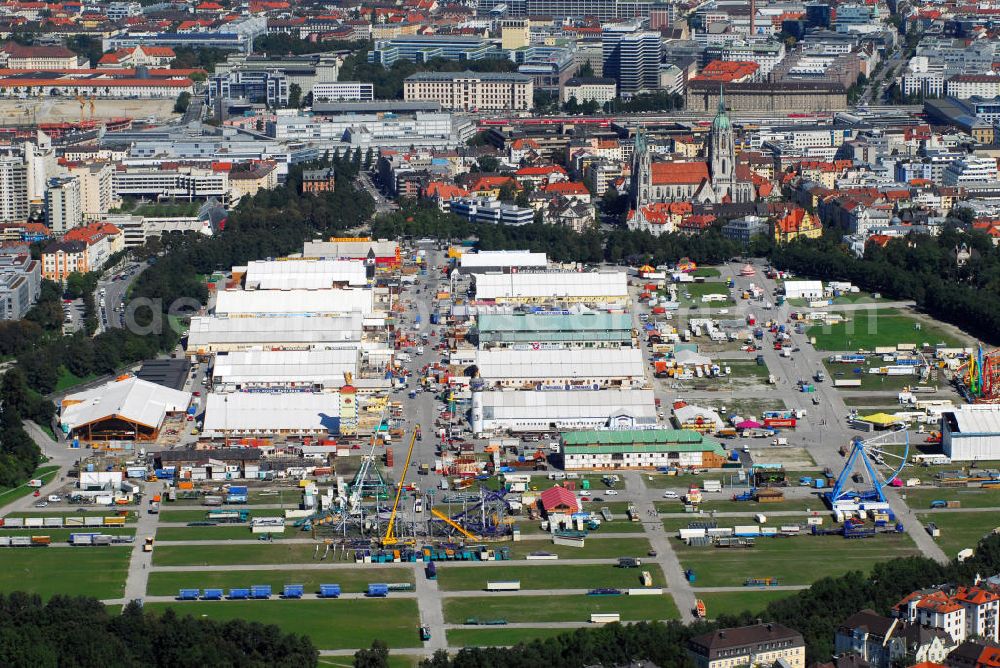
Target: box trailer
{"type": "Point", "coordinates": [503, 585]}
{"type": "Point", "coordinates": [605, 617]}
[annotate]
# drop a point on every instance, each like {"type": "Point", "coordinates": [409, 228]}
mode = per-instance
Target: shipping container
{"type": "Point", "coordinates": [503, 585]}
{"type": "Point", "coordinates": [329, 591]}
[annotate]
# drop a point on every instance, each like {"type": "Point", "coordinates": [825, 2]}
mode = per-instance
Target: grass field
{"type": "Point", "coordinates": [735, 602]}
{"type": "Point", "coordinates": [729, 506]}
{"type": "Point", "coordinates": [184, 515]}
{"type": "Point", "coordinates": [960, 530]}
{"type": "Point", "coordinates": [472, 578]}
{"type": "Point", "coordinates": [869, 381]}
{"type": "Point", "coordinates": [497, 637]}
{"type": "Point", "coordinates": [222, 532]}
{"type": "Point", "coordinates": [395, 661]}
{"type": "Point", "coordinates": [221, 555]}
{"type": "Point", "coordinates": [662, 481]}
{"type": "Point", "coordinates": [519, 609]}
{"type": "Point", "coordinates": [744, 407]}
{"type": "Point", "coordinates": [706, 272]}
{"type": "Point", "coordinates": [594, 548]}
{"type": "Point", "coordinates": [920, 499]}
{"type": "Point", "coordinates": [67, 380]}
{"type": "Point", "coordinates": [96, 572]}
{"type": "Point", "coordinates": [798, 560]}
{"type": "Point", "coordinates": [11, 494]}
{"type": "Point", "coordinates": [698, 290]}
{"type": "Point", "coordinates": [331, 624]}
{"type": "Point", "coordinates": [879, 327]}
{"type": "Point", "coordinates": [168, 583]}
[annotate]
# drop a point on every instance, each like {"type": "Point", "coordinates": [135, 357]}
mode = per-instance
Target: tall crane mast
{"type": "Point", "coordinates": [390, 537]}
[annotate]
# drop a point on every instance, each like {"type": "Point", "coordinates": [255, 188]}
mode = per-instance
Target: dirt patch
{"type": "Point", "coordinates": [57, 110]}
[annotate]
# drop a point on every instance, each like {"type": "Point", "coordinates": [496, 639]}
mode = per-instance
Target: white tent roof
{"type": "Point", "coordinates": [496, 364]}
{"type": "Point", "coordinates": [562, 405]}
{"type": "Point", "coordinates": [276, 330]}
{"type": "Point", "coordinates": [264, 302]}
{"type": "Point", "coordinates": [131, 399]}
{"type": "Point", "coordinates": [501, 258]}
{"type": "Point", "coordinates": [271, 413]}
{"type": "Point", "coordinates": [690, 357]}
{"type": "Point", "coordinates": [303, 274]}
{"type": "Point", "coordinates": [275, 366]}
{"type": "Point", "coordinates": [603, 284]}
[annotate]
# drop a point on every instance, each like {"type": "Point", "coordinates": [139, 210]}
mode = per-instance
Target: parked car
{"type": "Point", "coordinates": [670, 494]}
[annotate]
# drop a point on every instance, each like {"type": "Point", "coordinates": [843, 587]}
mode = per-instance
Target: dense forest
{"type": "Point", "coordinates": [77, 631]}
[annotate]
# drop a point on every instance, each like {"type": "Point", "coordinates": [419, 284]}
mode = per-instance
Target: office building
{"type": "Point", "coordinates": [589, 89]}
{"type": "Point", "coordinates": [471, 91]}
{"type": "Point", "coordinates": [63, 209]}
{"type": "Point", "coordinates": [485, 210]}
{"type": "Point", "coordinates": [632, 56]}
{"type": "Point", "coordinates": [343, 90]}
{"type": "Point", "coordinates": [421, 48]}
{"type": "Point", "coordinates": [62, 258]}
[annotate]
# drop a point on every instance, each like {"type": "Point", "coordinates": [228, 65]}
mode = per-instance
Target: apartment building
{"type": "Point", "coordinates": [62, 258]}
{"type": "Point", "coordinates": [248, 180]}
{"type": "Point", "coordinates": [147, 56]}
{"type": "Point", "coordinates": [20, 283]}
{"type": "Point", "coordinates": [102, 240]}
{"type": "Point", "coordinates": [964, 86]}
{"type": "Point", "coordinates": [755, 645]}
{"type": "Point", "coordinates": [63, 209]}
{"type": "Point", "coordinates": [964, 612]}
{"type": "Point", "coordinates": [471, 91]}
{"type": "Point", "coordinates": [13, 190]}
{"type": "Point", "coordinates": [96, 188]}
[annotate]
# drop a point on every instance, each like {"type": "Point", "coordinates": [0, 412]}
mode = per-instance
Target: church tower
{"type": "Point", "coordinates": [641, 171]}
{"type": "Point", "coordinates": [721, 149]}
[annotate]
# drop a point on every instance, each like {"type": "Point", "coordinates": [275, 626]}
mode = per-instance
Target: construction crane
{"type": "Point", "coordinates": [390, 538]}
{"type": "Point", "coordinates": [453, 524]}
{"type": "Point", "coordinates": [83, 103]}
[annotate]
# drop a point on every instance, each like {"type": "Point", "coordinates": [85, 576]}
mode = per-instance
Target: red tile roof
{"type": "Point", "coordinates": [670, 173]}
{"type": "Point", "coordinates": [557, 498]}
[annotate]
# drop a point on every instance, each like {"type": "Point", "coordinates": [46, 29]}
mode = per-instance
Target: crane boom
{"type": "Point", "coordinates": [390, 536]}
{"type": "Point", "coordinates": [453, 524]}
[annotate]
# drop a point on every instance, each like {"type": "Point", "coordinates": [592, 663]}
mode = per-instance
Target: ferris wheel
{"type": "Point", "coordinates": [881, 460]}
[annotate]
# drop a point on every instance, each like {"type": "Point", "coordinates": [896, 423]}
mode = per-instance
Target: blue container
{"type": "Point", "coordinates": [378, 590]}
{"type": "Point", "coordinates": [233, 489]}
{"type": "Point", "coordinates": [212, 595]}
{"type": "Point", "coordinates": [260, 591]}
{"type": "Point", "coordinates": [239, 594]}
{"type": "Point", "coordinates": [329, 591]}
{"type": "Point", "coordinates": [189, 594]}
{"type": "Point", "coordinates": [293, 591]}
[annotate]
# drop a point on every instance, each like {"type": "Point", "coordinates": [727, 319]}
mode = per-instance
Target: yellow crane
{"type": "Point", "coordinates": [390, 538]}
{"type": "Point", "coordinates": [453, 524]}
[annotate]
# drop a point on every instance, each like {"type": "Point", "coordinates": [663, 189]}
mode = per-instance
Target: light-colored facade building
{"type": "Point", "coordinates": [96, 188]}
{"type": "Point", "coordinates": [63, 208]}
{"type": "Point", "coordinates": [343, 90]}
{"type": "Point", "coordinates": [639, 449]}
{"type": "Point", "coordinates": [471, 91]}
{"type": "Point", "coordinates": [756, 645]}
{"type": "Point", "coordinates": [13, 190]}
{"type": "Point", "coordinates": [589, 89]}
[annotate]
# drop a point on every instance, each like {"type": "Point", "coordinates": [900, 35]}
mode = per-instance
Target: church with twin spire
{"type": "Point", "coordinates": [715, 180]}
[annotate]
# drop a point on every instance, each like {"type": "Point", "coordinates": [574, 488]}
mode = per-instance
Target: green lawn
{"type": "Point", "coordinates": [960, 530]}
{"type": "Point", "coordinates": [222, 555]}
{"type": "Point", "coordinates": [96, 572]}
{"type": "Point", "coordinates": [167, 583]}
{"type": "Point", "coordinates": [67, 380]}
{"type": "Point", "coordinates": [185, 515]}
{"type": "Point", "coordinates": [556, 576]}
{"type": "Point", "coordinates": [220, 532]}
{"type": "Point", "coordinates": [878, 327]}
{"type": "Point", "coordinates": [735, 602]}
{"type": "Point", "coordinates": [498, 637]}
{"type": "Point", "coordinates": [331, 624]}
{"type": "Point", "coordinates": [594, 548]}
{"type": "Point", "coordinates": [920, 499]}
{"type": "Point", "coordinates": [519, 609]}
{"type": "Point", "coordinates": [682, 481]}
{"type": "Point", "coordinates": [869, 381]}
{"type": "Point", "coordinates": [11, 494]}
{"type": "Point", "coordinates": [796, 560]}
{"type": "Point", "coordinates": [729, 506]}
{"type": "Point", "coordinates": [706, 272]}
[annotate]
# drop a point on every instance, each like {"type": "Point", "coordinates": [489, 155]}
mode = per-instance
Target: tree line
{"type": "Point", "coordinates": [918, 267]}
{"type": "Point", "coordinates": [79, 631]}
{"type": "Point", "coordinates": [424, 219]}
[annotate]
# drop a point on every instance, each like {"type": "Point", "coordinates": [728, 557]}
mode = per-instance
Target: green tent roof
{"type": "Point", "coordinates": [659, 440]}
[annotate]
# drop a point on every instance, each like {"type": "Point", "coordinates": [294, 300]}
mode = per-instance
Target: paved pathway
{"type": "Point", "coordinates": [140, 564]}
{"type": "Point", "coordinates": [431, 605]}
